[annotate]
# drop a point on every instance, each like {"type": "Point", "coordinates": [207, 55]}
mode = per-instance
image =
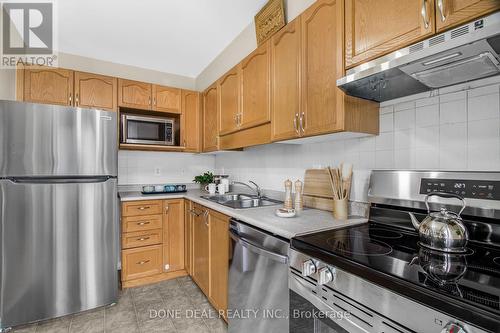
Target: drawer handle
{"type": "Point", "coordinates": [143, 223]}
{"type": "Point", "coordinates": [143, 238]}
{"type": "Point", "coordinates": [143, 262]}
{"type": "Point", "coordinates": [143, 208]}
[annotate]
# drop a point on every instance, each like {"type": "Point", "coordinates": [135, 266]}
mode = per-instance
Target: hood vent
{"type": "Point", "coordinates": [467, 53]}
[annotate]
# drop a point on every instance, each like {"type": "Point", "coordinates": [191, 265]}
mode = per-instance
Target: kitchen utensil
{"type": "Point", "coordinates": [443, 230]}
{"type": "Point", "coordinates": [298, 197]}
{"type": "Point", "coordinates": [211, 188]}
{"type": "Point", "coordinates": [225, 182]}
{"type": "Point", "coordinates": [288, 204]}
{"type": "Point", "coordinates": [159, 188]}
{"type": "Point", "coordinates": [148, 189]}
{"type": "Point", "coordinates": [285, 213]}
{"type": "Point", "coordinates": [340, 209]}
{"type": "Point", "coordinates": [221, 188]}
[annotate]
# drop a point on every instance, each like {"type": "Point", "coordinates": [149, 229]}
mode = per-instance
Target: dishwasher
{"type": "Point", "coordinates": [258, 280]}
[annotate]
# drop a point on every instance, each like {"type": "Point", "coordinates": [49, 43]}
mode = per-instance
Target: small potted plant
{"type": "Point", "coordinates": [204, 179]}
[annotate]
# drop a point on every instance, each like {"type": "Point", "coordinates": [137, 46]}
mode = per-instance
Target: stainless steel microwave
{"type": "Point", "coordinates": [148, 130]}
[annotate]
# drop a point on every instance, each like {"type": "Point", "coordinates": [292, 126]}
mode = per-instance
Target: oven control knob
{"type": "Point", "coordinates": [453, 328]}
{"type": "Point", "coordinates": [326, 275]}
{"type": "Point", "coordinates": [308, 268]}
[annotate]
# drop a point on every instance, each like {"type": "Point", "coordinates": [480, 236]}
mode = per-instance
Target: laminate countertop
{"type": "Point", "coordinates": [309, 221]}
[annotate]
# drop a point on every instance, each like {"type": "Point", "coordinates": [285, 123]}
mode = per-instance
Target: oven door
{"type": "Point", "coordinates": [148, 130]}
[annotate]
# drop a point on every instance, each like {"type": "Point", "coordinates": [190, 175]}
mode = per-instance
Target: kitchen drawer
{"type": "Point", "coordinates": [141, 238]}
{"type": "Point", "coordinates": [145, 207]}
{"type": "Point", "coordinates": [141, 223]}
{"type": "Point", "coordinates": [141, 262]}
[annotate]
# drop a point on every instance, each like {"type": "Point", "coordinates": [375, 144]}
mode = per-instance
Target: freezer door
{"type": "Point", "coordinates": [47, 140]}
{"type": "Point", "coordinates": [58, 248]}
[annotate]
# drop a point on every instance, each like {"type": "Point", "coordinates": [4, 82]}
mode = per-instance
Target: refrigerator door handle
{"type": "Point", "coordinates": [59, 180]}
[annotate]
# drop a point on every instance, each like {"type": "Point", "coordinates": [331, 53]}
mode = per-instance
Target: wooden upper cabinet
{"type": "Point", "coordinates": [219, 259]}
{"type": "Point", "coordinates": [322, 104]}
{"type": "Point", "coordinates": [285, 82]}
{"type": "Point", "coordinates": [255, 87]}
{"type": "Point", "coordinates": [96, 91]}
{"type": "Point", "coordinates": [47, 85]}
{"type": "Point", "coordinates": [134, 94]}
{"type": "Point", "coordinates": [229, 102]}
{"type": "Point", "coordinates": [191, 121]}
{"type": "Point", "coordinates": [377, 27]}
{"type": "Point", "coordinates": [201, 249]}
{"type": "Point", "coordinates": [166, 99]}
{"type": "Point", "coordinates": [210, 130]}
{"type": "Point", "coordinates": [450, 13]}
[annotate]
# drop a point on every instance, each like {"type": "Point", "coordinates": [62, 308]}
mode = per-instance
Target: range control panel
{"type": "Point", "coordinates": [473, 189]}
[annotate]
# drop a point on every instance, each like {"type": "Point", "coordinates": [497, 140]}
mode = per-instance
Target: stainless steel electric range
{"type": "Point", "coordinates": [377, 277]}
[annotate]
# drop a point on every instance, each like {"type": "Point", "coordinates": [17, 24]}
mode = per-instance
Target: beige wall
{"type": "Point", "coordinates": [241, 46]}
{"type": "Point", "coordinates": [8, 84]}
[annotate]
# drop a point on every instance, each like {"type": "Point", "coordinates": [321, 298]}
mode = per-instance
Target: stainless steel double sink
{"type": "Point", "coordinates": [239, 201]}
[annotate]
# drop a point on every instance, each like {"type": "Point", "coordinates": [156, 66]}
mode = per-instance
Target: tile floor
{"type": "Point", "coordinates": [133, 311]}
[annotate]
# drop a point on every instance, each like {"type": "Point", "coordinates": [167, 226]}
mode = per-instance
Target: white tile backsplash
{"type": "Point", "coordinates": [141, 167]}
{"type": "Point", "coordinates": [456, 130]}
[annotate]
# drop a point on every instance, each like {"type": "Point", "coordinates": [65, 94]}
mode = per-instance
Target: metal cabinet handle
{"type": "Point", "coordinates": [301, 122]}
{"type": "Point", "coordinates": [424, 14]}
{"type": "Point", "coordinates": [143, 223]}
{"type": "Point", "coordinates": [205, 217]}
{"type": "Point", "coordinates": [143, 239]}
{"type": "Point", "coordinates": [149, 100]}
{"type": "Point", "coordinates": [295, 126]}
{"type": "Point", "coordinates": [143, 262]}
{"type": "Point", "coordinates": [166, 209]}
{"type": "Point", "coordinates": [154, 100]}
{"type": "Point", "coordinates": [70, 98]}
{"type": "Point", "coordinates": [440, 5]}
{"type": "Point", "coordinates": [193, 212]}
{"type": "Point", "coordinates": [77, 100]}
{"type": "Point", "coordinates": [144, 207]}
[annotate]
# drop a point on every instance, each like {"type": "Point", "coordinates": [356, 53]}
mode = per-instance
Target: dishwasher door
{"type": "Point", "coordinates": [258, 281]}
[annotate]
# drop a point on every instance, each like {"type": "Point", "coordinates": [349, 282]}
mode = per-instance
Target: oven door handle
{"type": "Point", "coordinates": [315, 299]}
{"type": "Point", "coordinates": [257, 249]}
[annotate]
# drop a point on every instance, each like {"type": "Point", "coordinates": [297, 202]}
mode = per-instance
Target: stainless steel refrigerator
{"type": "Point", "coordinates": [58, 211]}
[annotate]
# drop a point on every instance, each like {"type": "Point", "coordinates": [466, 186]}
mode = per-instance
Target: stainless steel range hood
{"type": "Point", "coordinates": [467, 53]}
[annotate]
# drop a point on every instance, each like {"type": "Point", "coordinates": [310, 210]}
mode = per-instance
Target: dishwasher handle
{"type": "Point", "coordinates": [258, 249]}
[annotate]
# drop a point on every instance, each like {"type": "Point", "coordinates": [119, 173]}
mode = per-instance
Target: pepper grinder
{"type": "Point", "coordinates": [298, 196]}
{"type": "Point", "coordinates": [288, 194]}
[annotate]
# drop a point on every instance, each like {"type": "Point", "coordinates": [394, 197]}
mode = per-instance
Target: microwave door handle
{"type": "Point", "coordinates": [124, 129]}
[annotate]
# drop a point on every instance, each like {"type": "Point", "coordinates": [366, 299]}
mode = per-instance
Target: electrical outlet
{"type": "Point", "coordinates": [157, 171]}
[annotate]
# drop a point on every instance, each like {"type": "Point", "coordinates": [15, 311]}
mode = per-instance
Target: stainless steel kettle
{"type": "Point", "coordinates": [443, 230]}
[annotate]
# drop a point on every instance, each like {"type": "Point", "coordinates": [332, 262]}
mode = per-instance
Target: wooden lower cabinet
{"type": "Point", "coordinates": [188, 236]}
{"type": "Point", "coordinates": [201, 247]}
{"type": "Point", "coordinates": [152, 241]}
{"type": "Point", "coordinates": [209, 241]}
{"type": "Point", "coordinates": [173, 234]}
{"type": "Point", "coordinates": [219, 259]}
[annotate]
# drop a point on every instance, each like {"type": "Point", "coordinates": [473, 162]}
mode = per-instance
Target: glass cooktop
{"type": "Point", "coordinates": [473, 277]}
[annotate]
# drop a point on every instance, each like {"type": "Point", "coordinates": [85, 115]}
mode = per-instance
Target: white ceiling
{"type": "Point", "coordinates": [174, 36]}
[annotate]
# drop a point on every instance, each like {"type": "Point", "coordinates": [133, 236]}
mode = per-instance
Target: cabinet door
{"type": "Point", "coordinates": [48, 86]}
{"type": "Point", "coordinates": [173, 235]}
{"type": "Point", "coordinates": [377, 27]}
{"type": "Point", "coordinates": [255, 88]}
{"type": "Point", "coordinates": [190, 119]}
{"type": "Point", "coordinates": [219, 259]}
{"type": "Point", "coordinates": [210, 136]}
{"type": "Point", "coordinates": [201, 249]}
{"type": "Point", "coordinates": [188, 237]}
{"type": "Point", "coordinates": [229, 102]}
{"type": "Point", "coordinates": [134, 94]}
{"type": "Point", "coordinates": [166, 99]}
{"type": "Point", "coordinates": [285, 81]}
{"type": "Point", "coordinates": [322, 110]}
{"type": "Point", "coordinates": [450, 13]}
{"type": "Point", "coordinates": [96, 91]}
